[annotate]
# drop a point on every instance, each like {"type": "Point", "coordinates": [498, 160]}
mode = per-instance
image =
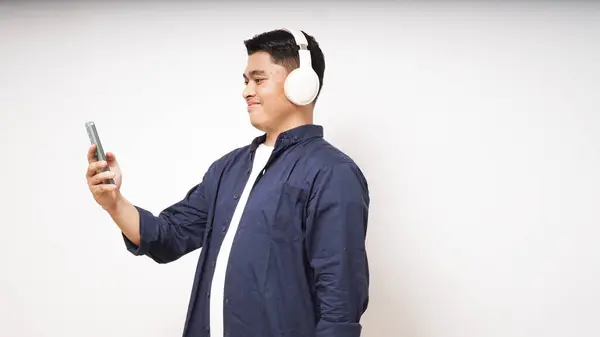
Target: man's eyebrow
{"type": "Point", "coordinates": [255, 73]}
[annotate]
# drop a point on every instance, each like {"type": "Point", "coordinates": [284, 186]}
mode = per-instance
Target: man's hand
{"type": "Point", "coordinates": [106, 195]}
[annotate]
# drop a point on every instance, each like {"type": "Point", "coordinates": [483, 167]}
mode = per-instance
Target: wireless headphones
{"type": "Point", "coordinates": [302, 84]}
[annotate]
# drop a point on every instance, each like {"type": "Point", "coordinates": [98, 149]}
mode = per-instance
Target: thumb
{"type": "Point", "coordinates": [111, 159]}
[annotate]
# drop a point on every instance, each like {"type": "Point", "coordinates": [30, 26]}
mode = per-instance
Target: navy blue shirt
{"type": "Point", "coordinates": [298, 266]}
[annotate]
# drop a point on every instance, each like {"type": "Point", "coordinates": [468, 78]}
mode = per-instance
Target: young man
{"type": "Point", "coordinates": [281, 222]}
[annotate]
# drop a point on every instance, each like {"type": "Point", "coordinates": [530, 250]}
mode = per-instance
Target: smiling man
{"type": "Point", "coordinates": [282, 221]}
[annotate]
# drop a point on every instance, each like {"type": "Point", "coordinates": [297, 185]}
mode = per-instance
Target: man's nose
{"type": "Point", "coordinates": [248, 91]}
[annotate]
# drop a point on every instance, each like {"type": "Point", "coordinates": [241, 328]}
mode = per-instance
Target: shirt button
{"type": "Point", "coordinates": [226, 301]}
{"type": "Point", "coordinates": [223, 229]}
{"type": "Point", "coordinates": [236, 196]}
{"type": "Point", "coordinates": [207, 294]}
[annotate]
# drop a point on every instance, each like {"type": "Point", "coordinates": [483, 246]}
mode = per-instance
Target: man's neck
{"type": "Point", "coordinates": [288, 125]}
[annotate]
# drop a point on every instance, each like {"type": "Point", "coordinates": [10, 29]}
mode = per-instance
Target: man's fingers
{"type": "Point", "coordinates": [101, 177]}
{"type": "Point", "coordinates": [91, 154]}
{"type": "Point", "coordinates": [102, 188]}
{"type": "Point", "coordinates": [95, 167]}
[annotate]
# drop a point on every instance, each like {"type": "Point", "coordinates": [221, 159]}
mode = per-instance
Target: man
{"type": "Point", "coordinates": [281, 222]}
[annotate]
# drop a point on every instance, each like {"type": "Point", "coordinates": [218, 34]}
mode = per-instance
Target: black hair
{"type": "Point", "coordinates": [281, 46]}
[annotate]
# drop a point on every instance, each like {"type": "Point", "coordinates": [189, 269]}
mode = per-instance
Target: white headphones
{"type": "Point", "coordinates": [302, 84]}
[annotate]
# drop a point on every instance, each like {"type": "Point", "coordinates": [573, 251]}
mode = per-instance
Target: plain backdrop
{"type": "Point", "coordinates": [477, 127]}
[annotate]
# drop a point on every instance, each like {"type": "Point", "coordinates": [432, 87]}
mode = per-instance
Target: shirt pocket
{"type": "Point", "coordinates": [283, 207]}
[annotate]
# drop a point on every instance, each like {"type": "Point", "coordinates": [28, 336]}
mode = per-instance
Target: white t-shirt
{"type": "Point", "coordinates": [261, 157]}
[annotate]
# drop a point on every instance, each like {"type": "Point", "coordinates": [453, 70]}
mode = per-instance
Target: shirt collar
{"type": "Point", "coordinates": [291, 136]}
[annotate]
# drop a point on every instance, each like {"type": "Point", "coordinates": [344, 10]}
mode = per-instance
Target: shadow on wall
{"type": "Point", "coordinates": [394, 308]}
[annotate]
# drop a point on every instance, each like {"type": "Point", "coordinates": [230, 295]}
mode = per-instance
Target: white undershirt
{"type": "Point", "coordinates": [261, 157]}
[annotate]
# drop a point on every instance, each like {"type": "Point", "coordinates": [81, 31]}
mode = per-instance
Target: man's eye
{"type": "Point", "coordinates": [257, 81]}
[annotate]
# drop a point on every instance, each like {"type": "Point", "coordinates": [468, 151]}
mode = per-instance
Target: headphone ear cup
{"type": "Point", "coordinates": [301, 86]}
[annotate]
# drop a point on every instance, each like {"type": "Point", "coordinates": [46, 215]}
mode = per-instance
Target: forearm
{"type": "Point", "coordinates": [127, 218]}
{"type": "Point", "coordinates": [343, 294]}
{"type": "Point", "coordinates": [336, 247]}
{"type": "Point", "coordinates": [176, 231]}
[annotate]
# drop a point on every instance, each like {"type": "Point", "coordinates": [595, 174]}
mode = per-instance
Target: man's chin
{"type": "Point", "coordinates": [256, 123]}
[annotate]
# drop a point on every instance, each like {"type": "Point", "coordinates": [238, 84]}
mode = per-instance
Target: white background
{"type": "Point", "coordinates": [476, 126]}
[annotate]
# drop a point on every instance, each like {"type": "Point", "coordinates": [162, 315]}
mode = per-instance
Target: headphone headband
{"type": "Point", "coordinates": [303, 53]}
{"type": "Point", "coordinates": [299, 38]}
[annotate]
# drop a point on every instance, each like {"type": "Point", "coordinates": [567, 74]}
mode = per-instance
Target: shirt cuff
{"type": "Point", "coordinates": [332, 329]}
{"type": "Point", "coordinates": [147, 229]}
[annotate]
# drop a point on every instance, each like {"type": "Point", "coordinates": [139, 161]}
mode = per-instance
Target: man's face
{"type": "Point", "coordinates": [267, 105]}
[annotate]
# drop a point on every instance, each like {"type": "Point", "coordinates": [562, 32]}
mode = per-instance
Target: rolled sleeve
{"type": "Point", "coordinates": [335, 243]}
{"type": "Point", "coordinates": [147, 233]}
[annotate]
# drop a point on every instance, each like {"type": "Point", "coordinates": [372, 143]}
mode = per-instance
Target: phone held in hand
{"type": "Point", "coordinates": [95, 140]}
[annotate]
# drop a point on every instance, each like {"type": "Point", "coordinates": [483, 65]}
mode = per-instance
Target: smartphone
{"type": "Point", "coordinates": [95, 140]}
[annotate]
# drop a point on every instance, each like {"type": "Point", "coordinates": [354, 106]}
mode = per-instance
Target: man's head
{"type": "Point", "coordinates": [271, 57]}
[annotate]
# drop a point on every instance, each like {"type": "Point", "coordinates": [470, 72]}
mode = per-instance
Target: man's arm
{"type": "Point", "coordinates": [335, 242]}
{"type": "Point", "coordinates": [176, 231]}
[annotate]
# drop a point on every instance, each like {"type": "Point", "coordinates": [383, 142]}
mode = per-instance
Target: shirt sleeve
{"type": "Point", "coordinates": [335, 243]}
{"type": "Point", "coordinates": [177, 230]}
